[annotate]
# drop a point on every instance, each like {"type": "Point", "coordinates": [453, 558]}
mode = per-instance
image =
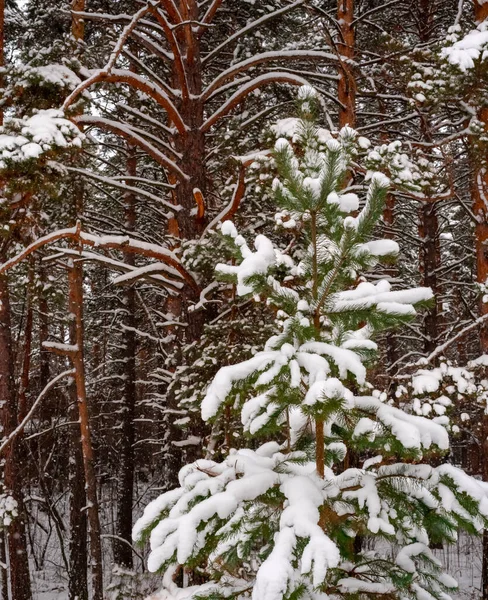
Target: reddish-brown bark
{"type": "Point", "coordinates": [429, 264]}
{"type": "Point", "coordinates": [125, 484]}
{"type": "Point", "coordinates": [16, 553]}
{"type": "Point", "coordinates": [26, 351]}
{"type": "Point", "coordinates": [77, 357]}
{"type": "Point", "coordinates": [480, 209]}
{"type": "Point", "coordinates": [480, 199]}
{"type": "Point", "coordinates": [78, 538]}
{"type": "Point", "coordinates": [16, 543]}
{"type": "Point", "coordinates": [78, 25]}
{"type": "Point", "coordinates": [347, 86]}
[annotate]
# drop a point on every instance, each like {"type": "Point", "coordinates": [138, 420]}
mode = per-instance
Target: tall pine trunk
{"type": "Point", "coordinates": [17, 558]}
{"type": "Point", "coordinates": [78, 563]}
{"type": "Point", "coordinates": [82, 489]}
{"type": "Point", "coordinates": [77, 357]}
{"type": "Point", "coordinates": [347, 85]}
{"type": "Point", "coordinates": [15, 540]}
{"type": "Point", "coordinates": [480, 210]}
{"type": "Point", "coordinates": [430, 256]}
{"type": "Point", "coordinates": [188, 223]}
{"type": "Point", "coordinates": [430, 262]}
{"type": "Point", "coordinates": [125, 483]}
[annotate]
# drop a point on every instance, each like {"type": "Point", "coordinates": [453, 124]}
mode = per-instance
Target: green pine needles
{"type": "Point", "coordinates": [332, 498]}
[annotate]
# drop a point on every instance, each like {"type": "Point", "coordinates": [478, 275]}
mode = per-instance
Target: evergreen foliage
{"type": "Point", "coordinates": [289, 518]}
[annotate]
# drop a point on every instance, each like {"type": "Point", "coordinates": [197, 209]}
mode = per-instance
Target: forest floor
{"type": "Point", "coordinates": [462, 561]}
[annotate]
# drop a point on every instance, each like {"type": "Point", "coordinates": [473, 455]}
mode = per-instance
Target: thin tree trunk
{"type": "Point", "coordinates": [77, 357]}
{"type": "Point", "coordinates": [18, 576]}
{"type": "Point", "coordinates": [18, 559]}
{"type": "Point", "coordinates": [430, 256]}
{"type": "Point", "coordinates": [480, 189]}
{"type": "Point", "coordinates": [26, 355]}
{"type": "Point", "coordinates": [78, 564]}
{"type": "Point", "coordinates": [430, 261]}
{"type": "Point", "coordinates": [347, 86]}
{"type": "Point", "coordinates": [125, 483]}
{"type": "Point", "coordinates": [82, 481]}
{"type": "Point", "coordinates": [44, 369]}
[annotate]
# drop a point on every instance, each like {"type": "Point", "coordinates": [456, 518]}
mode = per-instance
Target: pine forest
{"type": "Point", "coordinates": [244, 299]}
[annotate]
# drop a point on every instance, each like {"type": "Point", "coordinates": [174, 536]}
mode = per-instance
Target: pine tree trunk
{"type": "Point", "coordinates": [78, 564]}
{"type": "Point", "coordinates": [484, 473]}
{"type": "Point", "coordinates": [77, 357]}
{"type": "Point", "coordinates": [78, 25]}
{"type": "Point", "coordinates": [16, 554]}
{"type": "Point", "coordinates": [16, 542]}
{"type": "Point", "coordinates": [480, 210]}
{"type": "Point", "coordinates": [3, 571]}
{"type": "Point", "coordinates": [430, 257]}
{"type": "Point", "coordinates": [189, 222]}
{"type": "Point", "coordinates": [430, 261]}
{"type": "Point", "coordinates": [125, 483]}
{"type": "Point", "coordinates": [26, 351]}
{"type": "Point", "coordinates": [480, 188]}
{"type": "Point", "coordinates": [43, 315]}
{"type": "Point", "coordinates": [347, 85]}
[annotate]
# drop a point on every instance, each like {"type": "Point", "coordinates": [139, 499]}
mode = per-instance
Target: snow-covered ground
{"type": "Point", "coordinates": [462, 561]}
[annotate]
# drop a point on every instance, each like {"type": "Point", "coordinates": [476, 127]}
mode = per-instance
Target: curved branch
{"type": "Point", "coordinates": [136, 81]}
{"type": "Point", "coordinates": [421, 362]}
{"type": "Point", "coordinates": [245, 90]}
{"type": "Point", "coordinates": [263, 58]}
{"type": "Point", "coordinates": [112, 242]}
{"type": "Point", "coordinates": [178, 58]}
{"type": "Point", "coordinates": [155, 279]}
{"type": "Point", "coordinates": [254, 25]}
{"type": "Point", "coordinates": [113, 56]}
{"type": "Point", "coordinates": [172, 10]}
{"type": "Point", "coordinates": [230, 210]}
{"type": "Point", "coordinates": [144, 39]}
{"type": "Point", "coordinates": [144, 68]}
{"type": "Point", "coordinates": [152, 90]}
{"type": "Point", "coordinates": [111, 181]}
{"type": "Point", "coordinates": [20, 427]}
{"type": "Point", "coordinates": [210, 14]}
{"type": "Point", "coordinates": [137, 140]}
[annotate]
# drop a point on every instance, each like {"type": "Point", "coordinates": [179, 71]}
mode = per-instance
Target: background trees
{"type": "Point", "coordinates": [174, 98]}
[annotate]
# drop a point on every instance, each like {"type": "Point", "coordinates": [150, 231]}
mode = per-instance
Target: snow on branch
{"type": "Point", "coordinates": [472, 47]}
{"type": "Point", "coordinates": [112, 181]}
{"type": "Point", "coordinates": [210, 14]}
{"type": "Point", "coordinates": [135, 138]}
{"type": "Point", "coordinates": [137, 273]}
{"type": "Point", "coordinates": [113, 56]}
{"type": "Point", "coordinates": [263, 58]}
{"type": "Point", "coordinates": [246, 89]}
{"type": "Point", "coordinates": [143, 85]}
{"type": "Point", "coordinates": [21, 426]}
{"type": "Point", "coordinates": [123, 243]}
{"type": "Point", "coordinates": [28, 138]}
{"type": "Point", "coordinates": [439, 350]}
{"type": "Point", "coordinates": [116, 265]}
{"type": "Point", "coordinates": [250, 27]}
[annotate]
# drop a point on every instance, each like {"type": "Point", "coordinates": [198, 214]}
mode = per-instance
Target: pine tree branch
{"type": "Point", "coordinates": [20, 428]}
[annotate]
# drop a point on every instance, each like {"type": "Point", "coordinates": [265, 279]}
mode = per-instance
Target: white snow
{"type": "Point", "coordinates": [44, 131]}
{"type": "Point", "coordinates": [470, 48]}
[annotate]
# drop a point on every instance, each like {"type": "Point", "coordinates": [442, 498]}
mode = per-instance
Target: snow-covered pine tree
{"type": "Point", "coordinates": [288, 519]}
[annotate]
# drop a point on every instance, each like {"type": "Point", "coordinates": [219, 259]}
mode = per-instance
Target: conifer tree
{"type": "Point", "coordinates": [286, 519]}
